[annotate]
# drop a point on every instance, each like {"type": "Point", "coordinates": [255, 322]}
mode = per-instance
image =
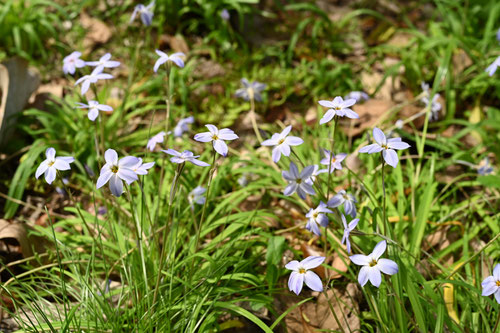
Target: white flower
{"type": "Point", "coordinates": [302, 273]}
{"type": "Point", "coordinates": [386, 146]}
{"type": "Point", "coordinates": [146, 13]}
{"type": "Point", "coordinates": [196, 196]}
{"type": "Point", "coordinates": [183, 126]}
{"type": "Point", "coordinates": [95, 76]}
{"type": "Point", "coordinates": [185, 156]}
{"type": "Point", "coordinates": [282, 143]}
{"type": "Point", "coordinates": [491, 69]}
{"type": "Point", "coordinates": [158, 138]}
{"type": "Point", "coordinates": [338, 107]}
{"type": "Point", "coordinates": [317, 217]}
{"type": "Point", "coordinates": [347, 231]}
{"type": "Point", "coordinates": [94, 108]}
{"type": "Point", "coordinates": [115, 171]}
{"type": "Point", "coordinates": [142, 168]}
{"type": "Point", "coordinates": [176, 58]}
{"type": "Point", "coordinates": [336, 160]}
{"type": "Point", "coordinates": [217, 138]}
{"type": "Point", "coordinates": [300, 183]}
{"type": "Point", "coordinates": [52, 164]}
{"type": "Point", "coordinates": [71, 62]}
{"type": "Point", "coordinates": [250, 90]}
{"type": "Point", "coordinates": [372, 265]}
{"type": "Point", "coordinates": [343, 198]}
{"type": "Point", "coordinates": [491, 285]}
{"type": "Point", "coordinates": [104, 62]}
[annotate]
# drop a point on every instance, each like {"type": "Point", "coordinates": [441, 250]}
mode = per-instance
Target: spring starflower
{"type": "Point", "coordinates": [196, 196]}
{"type": "Point", "coordinates": [142, 168]}
{"type": "Point", "coordinates": [176, 58]}
{"type": "Point", "coordinates": [95, 76]}
{"type": "Point", "coordinates": [386, 146]}
{"type": "Point", "coordinates": [299, 182]}
{"type": "Point", "coordinates": [302, 273]}
{"type": "Point", "coordinates": [71, 62]}
{"type": "Point", "coordinates": [484, 168]}
{"type": "Point", "coordinates": [224, 14]}
{"type": "Point", "coordinates": [250, 90]}
{"type": "Point", "coordinates": [347, 231]}
{"type": "Point", "coordinates": [282, 142]}
{"type": "Point", "coordinates": [346, 199]}
{"type": "Point", "coordinates": [158, 138]}
{"type": "Point", "coordinates": [432, 104]}
{"type": "Point", "coordinates": [94, 108]}
{"type": "Point", "coordinates": [359, 96]}
{"type": "Point", "coordinates": [338, 107]}
{"type": "Point", "coordinates": [146, 13]}
{"type": "Point", "coordinates": [182, 126]}
{"type": "Point", "coordinates": [491, 69]}
{"type": "Point", "coordinates": [104, 62]}
{"type": "Point", "coordinates": [114, 171]}
{"type": "Point", "coordinates": [373, 265]}
{"type": "Point", "coordinates": [51, 164]}
{"type": "Point", "coordinates": [335, 160]}
{"type": "Point", "coordinates": [317, 217]}
{"type": "Point", "coordinates": [217, 138]}
{"type": "Point", "coordinates": [491, 285]}
{"type": "Point", "coordinates": [185, 156]}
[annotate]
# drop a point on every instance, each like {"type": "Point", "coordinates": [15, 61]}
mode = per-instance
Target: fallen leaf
{"type": "Point", "coordinates": [370, 113]}
{"type": "Point", "coordinates": [97, 32]}
{"type": "Point", "coordinates": [177, 43]}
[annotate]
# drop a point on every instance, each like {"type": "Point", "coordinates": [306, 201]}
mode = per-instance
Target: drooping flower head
{"type": "Point", "coordinates": [386, 146]}
{"type": "Point", "coordinates": [338, 107]}
{"type": "Point", "coordinates": [71, 62]}
{"type": "Point", "coordinates": [359, 96]}
{"type": "Point", "coordinates": [217, 138]}
{"type": "Point", "coordinates": [95, 76]}
{"type": "Point", "coordinates": [51, 164]}
{"type": "Point", "coordinates": [491, 69]}
{"type": "Point", "coordinates": [176, 58]}
{"type": "Point", "coordinates": [185, 156]}
{"type": "Point", "coordinates": [158, 138]}
{"type": "Point", "coordinates": [224, 14]}
{"type": "Point", "coordinates": [432, 104]}
{"type": "Point", "coordinates": [335, 160]}
{"type": "Point", "coordinates": [94, 108]}
{"type": "Point", "coordinates": [491, 285]}
{"type": "Point", "coordinates": [114, 171]}
{"type": "Point", "coordinates": [317, 217]}
{"type": "Point", "coordinates": [373, 265]}
{"type": "Point", "coordinates": [484, 168]}
{"type": "Point", "coordinates": [197, 196]}
{"type": "Point", "coordinates": [142, 168]}
{"type": "Point", "coordinates": [299, 182]}
{"type": "Point", "coordinates": [347, 231]}
{"type": "Point", "coordinates": [250, 90]}
{"type": "Point", "coordinates": [302, 272]}
{"type": "Point", "coordinates": [182, 126]}
{"type": "Point", "coordinates": [282, 143]}
{"type": "Point", "coordinates": [104, 62]}
{"type": "Point", "coordinates": [346, 199]}
{"type": "Point", "coordinates": [146, 13]}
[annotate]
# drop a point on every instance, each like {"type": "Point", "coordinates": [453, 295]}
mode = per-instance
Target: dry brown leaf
{"type": "Point", "coordinates": [177, 43]}
{"type": "Point", "coordinates": [16, 234]}
{"type": "Point", "coordinates": [369, 113]}
{"type": "Point", "coordinates": [97, 32]}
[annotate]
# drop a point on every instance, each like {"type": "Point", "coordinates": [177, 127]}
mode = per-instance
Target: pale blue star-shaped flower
{"type": "Point", "coordinates": [158, 138]}
{"type": "Point", "coordinates": [359, 96]}
{"type": "Point", "coordinates": [484, 168]}
{"type": "Point", "coordinates": [299, 182]}
{"type": "Point", "coordinates": [71, 62]}
{"type": "Point", "coordinates": [336, 160]}
{"type": "Point", "coordinates": [491, 285]}
{"type": "Point", "coordinates": [142, 168]}
{"type": "Point", "coordinates": [176, 58]}
{"type": "Point", "coordinates": [197, 196]}
{"type": "Point", "coordinates": [183, 126]}
{"type": "Point", "coordinates": [51, 164]}
{"type": "Point", "coordinates": [185, 156]}
{"type": "Point", "coordinates": [95, 76]}
{"type": "Point", "coordinates": [433, 103]}
{"type": "Point", "coordinates": [386, 146]}
{"type": "Point", "coordinates": [224, 14]}
{"type": "Point", "coordinates": [282, 142]}
{"type": "Point", "coordinates": [104, 62]}
{"type": "Point", "coordinates": [491, 69]}
{"type": "Point", "coordinates": [346, 199]}
{"type": "Point", "coordinates": [338, 107]}
{"type": "Point", "coordinates": [373, 265]}
{"type": "Point", "coordinates": [347, 231]}
{"type": "Point", "coordinates": [250, 90]}
{"type": "Point", "coordinates": [94, 108]}
{"type": "Point", "coordinates": [317, 217]}
{"type": "Point", "coordinates": [302, 273]}
{"type": "Point", "coordinates": [114, 171]}
{"type": "Point", "coordinates": [217, 138]}
{"type": "Point", "coordinates": [146, 13]}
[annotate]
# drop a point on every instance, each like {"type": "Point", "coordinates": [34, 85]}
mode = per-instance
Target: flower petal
{"type": "Point", "coordinates": [313, 281]}
{"type": "Point", "coordinates": [398, 145]}
{"type": "Point", "coordinates": [128, 162]}
{"type": "Point", "coordinates": [116, 185]}
{"type": "Point", "coordinates": [295, 282]}
{"type": "Point", "coordinates": [50, 153]}
{"type": "Point", "coordinates": [61, 164]}
{"type": "Point", "coordinates": [294, 141]}
{"type": "Point", "coordinates": [220, 147]}
{"type": "Point", "coordinates": [370, 149]}
{"type": "Point", "coordinates": [363, 275]}
{"type": "Point", "coordinates": [374, 276]}
{"type": "Point", "coordinates": [111, 157]}
{"type": "Point", "coordinates": [50, 174]}
{"type": "Point", "coordinates": [127, 175]}
{"type": "Point", "coordinates": [292, 265]}
{"type": "Point", "coordinates": [227, 134]}
{"type": "Point", "coordinates": [379, 136]}
{"type": "Point", "coordinates": [41, 168]}
{"type": "Point", "coordinates": [360, 259]}
{"type": "Point", "coordinates": [496, 272]}
{"type": "Point", "coordinates": [290, 189]}
{"type": "Point", "coordinates": [327, 116]}
{"type": "Point", "coordinates": [387, 266]}
{"type": "Point", "coordinates": [391, 157]}
{"type": "Point", "coordinates": [203, 137]}
{"type": "Point", "coordinates": [104, 176]}
{"type": "Point", "coordinates": [312, 262]}
{"type": "Point", "coordinates": [379, 249]}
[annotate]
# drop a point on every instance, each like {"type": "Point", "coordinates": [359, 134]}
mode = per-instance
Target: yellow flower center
{"type": "Point", "coordinates": [338, 108]}
{"type": "Point", "coordinates": [302, 271]}
{"type": "Point", "coordinates": [215, 137]}
{"type": "Point", "coordinates": [298, 181]}
{"type": "Point", "coordinates": [498, 283]}
{"type": "Point", "coordinates": [281, 141]}
{"type": "Point", "coordinates": [373, 262]}
{"type": "Point", "coordinates": [315, 215]}
{"type": "Point", "coordinates": [51, 163]}
{"type": "Point", "coordinates": [385, 147]}
{"type": "Point", "coordinates": [114, 169]}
